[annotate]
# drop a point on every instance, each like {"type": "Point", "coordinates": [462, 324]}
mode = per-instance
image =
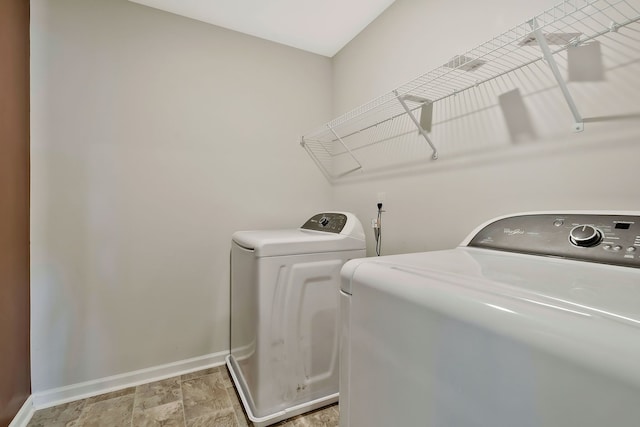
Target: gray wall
{"type": "Point", "coordinates": [154, 138]}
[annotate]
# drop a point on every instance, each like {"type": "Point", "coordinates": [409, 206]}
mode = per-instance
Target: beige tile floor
{"type": "Point", "coordinates": [204, 398]}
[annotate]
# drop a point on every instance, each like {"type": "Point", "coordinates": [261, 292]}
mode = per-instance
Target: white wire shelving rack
{"type": "Point", "coordinates": [566, 25]}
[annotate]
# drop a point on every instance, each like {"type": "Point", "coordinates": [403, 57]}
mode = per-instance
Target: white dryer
{"type": "Point", "coordinates": [285, 288]}
{"type": "Point", "coordinates": [533, 321]}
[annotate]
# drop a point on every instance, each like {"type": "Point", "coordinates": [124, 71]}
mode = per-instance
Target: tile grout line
{"type": "Point", "coordinates": [133, 408]}
{"type": "Point", "coordinates": [235, 415]}
{"type": "Point", "coordinates": [233, 389]}
{"type": "Point", "coordinates": [184, 414]}
{"type": "Point", "coordinates": [82, 408]}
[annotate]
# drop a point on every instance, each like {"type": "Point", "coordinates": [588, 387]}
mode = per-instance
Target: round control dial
{"type": "Point", "coordinates": [585, 236]}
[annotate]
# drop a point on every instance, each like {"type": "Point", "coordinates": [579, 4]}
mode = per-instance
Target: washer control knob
{"type": "Point", "coordinates": [585, 236]}
{"type": "Point", "coordinates": [324, 221]}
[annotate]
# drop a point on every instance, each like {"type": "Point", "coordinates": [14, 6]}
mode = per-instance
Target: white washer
{"type": "Point", "coordinates": [491, 333]}
{"type": "Point", "coordinates": [284, 314]}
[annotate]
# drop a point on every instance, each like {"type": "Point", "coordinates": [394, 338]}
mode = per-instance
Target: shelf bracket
{"type": "Point", "coordinates": [578, 125]}
{"type": "Point", "coordinates": [403, 101]}
{"type": "Point", "coordinates": [348, 151]}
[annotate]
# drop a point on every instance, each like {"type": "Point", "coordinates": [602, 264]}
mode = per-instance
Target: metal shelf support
{"type": "Point", "coordinates": [355, 159]}
{"type": "Point", "coordinates": [402, 99]}
{"type": "Point", "coordinates": [578, 125]}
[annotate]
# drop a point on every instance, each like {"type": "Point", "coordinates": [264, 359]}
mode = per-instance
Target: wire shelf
{"type": "Point", "coordinates": [568, 24]}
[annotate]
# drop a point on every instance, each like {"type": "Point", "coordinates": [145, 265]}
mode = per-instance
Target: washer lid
{"type": "Point", "coordinates": [293, 242]}
{"type": "Point", "coordinates": [586, 312]}
{"type": "Point", "coordinates": [600, 289]}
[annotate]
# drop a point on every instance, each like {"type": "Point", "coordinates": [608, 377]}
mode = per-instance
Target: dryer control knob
{"type": "Point", "coordinates": [585, 236]}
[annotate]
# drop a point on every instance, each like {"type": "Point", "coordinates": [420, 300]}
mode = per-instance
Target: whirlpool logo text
{"type": "Point", "coordinates": [512, 232]}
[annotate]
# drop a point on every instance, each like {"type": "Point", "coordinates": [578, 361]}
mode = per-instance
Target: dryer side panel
{"type": "Point", "coordinates": [244, 305]}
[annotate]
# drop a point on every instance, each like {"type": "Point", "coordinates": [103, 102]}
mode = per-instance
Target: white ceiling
{"type": "Point", "coordinates": [318, 26]}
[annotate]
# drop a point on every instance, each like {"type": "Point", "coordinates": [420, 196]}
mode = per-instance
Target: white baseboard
{"type": "Point", "coordinates": [24, 415]}
{"type": "Point", "coordinates": [57, 396]}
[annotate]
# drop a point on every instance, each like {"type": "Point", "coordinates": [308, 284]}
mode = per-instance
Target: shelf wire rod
{"type": "Point", "coordinates": [318, 163]}
{"type": "Point", "coordinates": [384, 137]}
{"type": "Point", "coordinates": [633, 8]}
{"type": "Point", "coordinates": [609, 17]}
{"type": "Point", "coordinates": [327, 163]}
{"type": "Point", "coordinates": [498, 66]}
{"type": "Point", "coordinates": [614, 6]}
{"type": "Point", "coordinates": [480, 81]}
{"type": "Point", "coordinates": [388, 119]}
{"type": "Point", "coordinates": [377, 104]}
{"type": "Point", "coordinates": [348, 150]}
{"type": "Point", "coordinates": [316, 143]}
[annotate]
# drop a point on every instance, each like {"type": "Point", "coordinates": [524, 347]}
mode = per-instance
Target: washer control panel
{"type": "Point", "coordinates": [608, 239]}
{"type": "Point", "coordinates": [331, 222]}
